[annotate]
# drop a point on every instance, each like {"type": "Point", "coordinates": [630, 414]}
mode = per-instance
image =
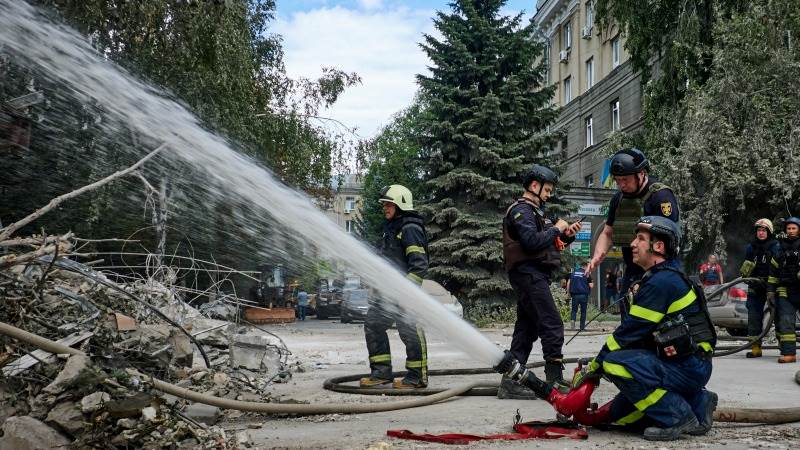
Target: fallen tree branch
{"type": "Point", "coordinates": [11, 229]}
{"type": "Point", "coordinates": [13, 259]}
{"type": "Point", "coordinates": [31, 241]}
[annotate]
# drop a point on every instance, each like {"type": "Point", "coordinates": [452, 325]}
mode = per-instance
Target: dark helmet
{"type": "Point", "coordinates": [793, 220]}
{"type": "Point", "coordinates": [541, 174]}
{"type": "Point", "coordinates": [628, 161]}
{"type": "Point", "coordinates": [663, 228]}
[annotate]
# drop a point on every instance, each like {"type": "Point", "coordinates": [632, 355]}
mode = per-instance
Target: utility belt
{"type": "Point", "coordinates": [683, 336]}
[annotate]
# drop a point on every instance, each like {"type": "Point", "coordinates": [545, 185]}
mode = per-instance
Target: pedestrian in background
{"type": "Point", "coordinates": [302, 303]}
{"type": "Point", "coordinates": [579, 286]}
{"type": "Point", "coordinates": [611, 288]}
{"type": "Point", "coordinates": [711, 272]}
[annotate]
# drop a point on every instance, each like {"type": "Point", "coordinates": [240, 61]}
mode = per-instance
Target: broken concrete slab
{"type": "Point", "coordinates": [27, 433]}
{"type": "Point", "coordinates": [149, 413]}
{"type": "Point", "coordinates": [94, 401]}
{"type": "Point", "coordinates": [203, 413]}
{"type": "Point", "coordinates": [67, 416]}
{"type": "Point", "coordinates": [77, 370]}
{"type": "Point", "coordinates": [130, 406]}
{"type": "Point", "coordinates": [254, 352]}
{"type": "Point", "coordinates": [35, 357]}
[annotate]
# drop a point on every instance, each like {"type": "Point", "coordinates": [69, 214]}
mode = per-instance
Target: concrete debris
{"type": "Point", "coordinates": [93, 402]}
{"type": "Point", "coordinates": [100, 401]}
{"type": "Point", "coordinates": [68, 417]}
{"type": "Point", "coordinates": [202, 413]}
{"type": "Point", "coordinates": [27, 433]}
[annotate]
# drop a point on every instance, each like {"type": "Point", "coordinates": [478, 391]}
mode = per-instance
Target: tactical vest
{"type": "Point", "coordinates": [392, 244]}
{"type": "Point", "coordinates": [789, 262]}
{"type": "Point", "coordinates": [762, 256]}
{"type": "Point", "coordinates": [514, 254]}
{"type": "Point", "coordinates": [701, 328]}
{"type": "Point", "coordinates": [628, 212]}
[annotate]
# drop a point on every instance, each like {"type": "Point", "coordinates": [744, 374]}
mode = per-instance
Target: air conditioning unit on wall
{"type": "Point", "coordinates": [563, 56]}
{"type": "Point", "coordinates": [586, 32]}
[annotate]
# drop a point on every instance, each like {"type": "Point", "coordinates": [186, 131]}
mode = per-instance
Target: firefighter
{"type": "Point", "coordinates": [531, 252]}
{"type": "Point", "coordinates": [404, 244]}
{"type": "Point", "coordinates": [784, 280]}
{"type": "Point", "coordinates": [639, 195]}
{"type": "Point", "coordinates": [660, 355]}
{"type": "Point", "coordinates": [757, 260]}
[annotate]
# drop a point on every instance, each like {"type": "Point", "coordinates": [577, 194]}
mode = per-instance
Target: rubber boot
{"type": "Point", "coordinates": [787, 359]}
{"type": "Point", "coordinates": [706, 420]}
{"type": "Point", "coordinates": [755, 353]}
{"type": "Point", "coordinates": [553, 371]}
{"type": "Point", "coordinates": [510, 390]}
{"type": "Point", "coordinates": [689, 425]}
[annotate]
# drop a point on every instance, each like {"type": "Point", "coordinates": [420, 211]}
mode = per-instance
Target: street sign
{"type": "Point", "coordinates": [592, 209]}
{"type": "Point", "coordinates": [586, 232]}
{"type": "Point", "coordinates": [580, 248]}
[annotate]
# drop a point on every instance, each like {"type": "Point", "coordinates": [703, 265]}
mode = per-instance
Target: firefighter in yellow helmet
{"type": "Point", "coordinates": [756, 264]}
{"type": "Point", "coordinates": [405, 244]}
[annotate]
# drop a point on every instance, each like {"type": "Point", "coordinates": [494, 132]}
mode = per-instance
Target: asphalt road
{"type": "Point", "coordinates": [328, 348]}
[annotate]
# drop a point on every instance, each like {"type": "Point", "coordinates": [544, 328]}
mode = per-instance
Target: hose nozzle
{"type": "Point", "coordinates": [513, 369]}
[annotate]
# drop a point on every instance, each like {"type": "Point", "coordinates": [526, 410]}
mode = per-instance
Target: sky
{"type": "Point", "coordinates": [378, 39]}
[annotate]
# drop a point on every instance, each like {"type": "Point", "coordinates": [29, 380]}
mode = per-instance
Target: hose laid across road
{"type": "Point", "coordinates": [741, 415]}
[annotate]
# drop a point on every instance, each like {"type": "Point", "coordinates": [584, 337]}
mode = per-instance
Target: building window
{"type": "Point", "coordinates": [567, 37]}
{"type": "Point", "coordinates": [615, 52]}
{"type": "Point", "coordinates": [348, 226]}
{"type": "Point", "coordinates": [615, 115]}
{"type": "Point", "coordinates": [589, 14]}
{"type": "Point", "coordinates": [588, 181]}
{"type": "Point", "coordinates": [349, 204]}
{"type": "Point", "coordinates": [567, 90]}
{"type": "Point", "coordinates": [589, 73]}
{"type": "Point", "coordinates": [589, 132]}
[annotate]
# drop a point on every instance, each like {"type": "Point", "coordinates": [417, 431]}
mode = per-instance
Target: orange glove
{"type": "Point", "coordinates": [560, 245]}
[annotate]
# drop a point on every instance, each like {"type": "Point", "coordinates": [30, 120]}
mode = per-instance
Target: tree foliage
{"type": "Point", "coordinates": [487, 112]}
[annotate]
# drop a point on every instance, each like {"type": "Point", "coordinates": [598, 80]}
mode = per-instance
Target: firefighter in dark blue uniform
{"type": "Point", "coordinates": [638, 195]}
{"type": "Point", "coordinates": [784, 289]}
{"type": "Point", "coordinates": [404, 244]}
{"type": "Point", "coordinates": [531, 252]}
{"type": "Point", "coordinates": [757, 259]}
{"type": "Point", "coordinates": [660, 355]}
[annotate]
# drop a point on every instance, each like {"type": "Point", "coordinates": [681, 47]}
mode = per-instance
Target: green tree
{"type": "Point", "coordinates": [485, 124]}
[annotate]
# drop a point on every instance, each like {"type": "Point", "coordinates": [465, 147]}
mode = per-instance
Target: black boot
{"type": "Point", "coordinates": [510, 390]}
{"type": "Point", "coordinates": [689, 425]}
{"type": "Point", "coordinates": [706, 420]}
{"type": "Point", "coordinates": [553, 371]}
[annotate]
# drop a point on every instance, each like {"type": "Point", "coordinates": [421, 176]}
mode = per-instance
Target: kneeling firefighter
{"type": "Point", "coordinates": [531, 251]}
{"type": "Point", "coordinates": [405, 244]}
{"type": "Point", "coordinates": [660, 355]}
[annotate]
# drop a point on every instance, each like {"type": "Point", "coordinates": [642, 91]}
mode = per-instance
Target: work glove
{"type": "Point", "coordinates": [747, 268]}
{"type": "Point", "coordinates": [590, 370]}
{"type": "Point", "coordinates": [506, 363]}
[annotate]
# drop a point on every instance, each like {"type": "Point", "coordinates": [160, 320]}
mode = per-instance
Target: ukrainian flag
{"type": "Point", "coordinates": [607, 180]}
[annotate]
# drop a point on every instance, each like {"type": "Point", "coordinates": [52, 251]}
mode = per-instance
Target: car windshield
{"type": "Point", "coordinates": [357, 296]}
{"type": "Point", "coordinates": [352, 283]}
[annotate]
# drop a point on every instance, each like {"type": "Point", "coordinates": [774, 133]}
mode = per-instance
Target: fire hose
{"type": "Point", "coordinates": [740, 415]}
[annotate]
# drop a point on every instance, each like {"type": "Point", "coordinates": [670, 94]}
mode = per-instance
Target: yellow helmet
{"type": "Point", "coordinates": [399, 195]}
{"type": "Point", "coordinates": [765, 223]}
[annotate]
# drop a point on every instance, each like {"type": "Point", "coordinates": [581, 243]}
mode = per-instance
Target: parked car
{"type": "Point", "coordinates": [729, 309]}
{"type": "Point", "coordinates": [328, 300]}
{"type": "Point", "coordinates": [355, 304]}
{"type": "Point", "coordinates": [443, 296]}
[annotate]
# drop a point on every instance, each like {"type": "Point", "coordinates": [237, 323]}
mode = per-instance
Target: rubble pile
{"type": "Point", "coordinates": [130, 331]}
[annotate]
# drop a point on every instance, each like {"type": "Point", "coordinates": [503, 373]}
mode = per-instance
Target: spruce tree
{"type": "Point", "coordinates": [486, 124]}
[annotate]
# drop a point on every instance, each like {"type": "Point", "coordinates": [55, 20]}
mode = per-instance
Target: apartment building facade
{"type": "Point", "coordinates": [347, 201]}
{"type": "Point", "coordinates": [596, 89]}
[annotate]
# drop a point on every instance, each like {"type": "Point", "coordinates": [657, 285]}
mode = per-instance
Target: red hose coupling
{"type": "Point", "coordinates": [578, 399]}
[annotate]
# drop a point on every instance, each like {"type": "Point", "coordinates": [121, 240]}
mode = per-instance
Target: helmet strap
{"type": "Point", "coordinates": [538, 195]}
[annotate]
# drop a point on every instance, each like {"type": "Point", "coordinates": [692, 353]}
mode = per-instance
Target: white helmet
{"type": "Point", "coordinates": [399, 195]}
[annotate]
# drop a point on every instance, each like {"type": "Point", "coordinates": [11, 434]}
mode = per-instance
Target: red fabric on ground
{"type": "Point", "coordinates": [527, 430]}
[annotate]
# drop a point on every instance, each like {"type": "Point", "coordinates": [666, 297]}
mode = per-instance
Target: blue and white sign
{"type": "Point", "coordinates": [586, 232]}
{"type": "Point", "coordinates": [591, 209]}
